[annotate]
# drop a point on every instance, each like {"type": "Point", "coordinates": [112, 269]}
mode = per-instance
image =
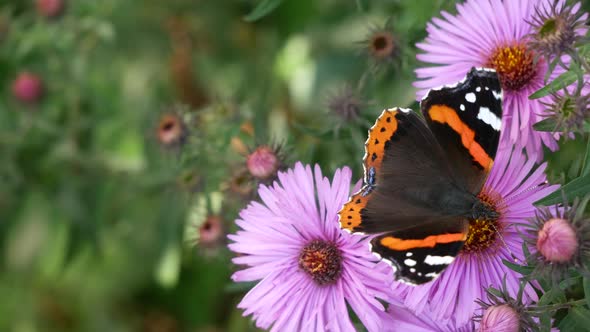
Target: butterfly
{"type": "Point", "coordinates": [422, 177]}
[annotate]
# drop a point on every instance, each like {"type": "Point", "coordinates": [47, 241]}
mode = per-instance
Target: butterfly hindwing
{"type": "Point", "coordinates": [420, 254]}
{"type": "Point", "coordinates": [466, 119]}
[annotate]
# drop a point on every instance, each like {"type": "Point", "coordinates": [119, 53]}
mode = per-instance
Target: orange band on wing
{"type": "Point", "coordinates": [398, 244]}
{"type": "Point", "coordinates": [445, 114]}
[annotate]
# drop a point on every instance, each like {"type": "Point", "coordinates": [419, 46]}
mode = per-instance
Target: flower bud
{"type": "Point", "coordinates": [557, 241]}
{"type": "Point", "coordinates": [27, 87]}
{"type": "Point", "coordinates": [171, 130]}
{"type": "Point", "coordinates": [346, 104]}
{"type": "Point", "coordinates": [263, 163]}
{"type": "Point", "coordinates": [211, 231]}
{"type": "Point", "coordinates": [50, 8]}
{"type": "Point", "coordinates": [500, 318]}
{"type": "Point", "coordinates": [555, 29]}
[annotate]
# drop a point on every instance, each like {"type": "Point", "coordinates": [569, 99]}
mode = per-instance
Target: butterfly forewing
{"type": "Point", "coordinates": [466, 120]}
{"type": "Point", "coordinates": [405, 173]}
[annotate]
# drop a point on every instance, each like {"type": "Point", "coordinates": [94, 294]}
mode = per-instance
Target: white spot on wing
{"type": "Point", "coordinates": [403, 110]}
{"type": "Point", "coordinates": [470, 97]}
{"type": "Point", "coordinates": [409, 254]}
{"type": "Point", "coordinates": [387, 261]}
{"type": "Point", "coordinates": [490, 118]}
{"type": "Point", "coordinates": [478, 89]}
{"type": "Point", "coordinates": [410, 262]}
{"type": "Point", "coordinates": [432, 274]}
{"type": "Point", "coordinates": [449, 86]}
{"type": "Point", "coordinates": [413, 270]}
{"type": "Point", "coordinates": [462, 107]}
{"type": "Point", "coordinates": [438, 260]}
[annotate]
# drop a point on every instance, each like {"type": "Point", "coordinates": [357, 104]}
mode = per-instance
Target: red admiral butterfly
{"type": "Point", "coordinates": [422, 178]}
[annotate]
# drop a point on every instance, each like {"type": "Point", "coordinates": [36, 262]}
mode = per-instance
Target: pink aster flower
{"type": "Point", "coordinates": [309, 270]}
{"type": "Point", "coordinates": [512, 187]}
{"type": "Point", "coordinates": [494, 33]}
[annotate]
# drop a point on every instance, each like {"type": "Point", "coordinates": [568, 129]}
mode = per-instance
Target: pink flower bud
{"type": "Point", "coordinates": [50, 8]}
{"type": "Point", "coordinates": [500, 318]}
{"type": "Point", "coordinates": [557, 240]}
{"type": "Point", "coordinates": [263, 162]}
{"type": "Point", "coordinates": [27, 87]}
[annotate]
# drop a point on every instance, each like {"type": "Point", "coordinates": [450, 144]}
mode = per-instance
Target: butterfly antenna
{"type": "Point", "coordinates": [544, 183]}
{"type": "Point", "coordinates": [514, 258]}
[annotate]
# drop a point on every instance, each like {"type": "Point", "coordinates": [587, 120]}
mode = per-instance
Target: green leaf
{"type": "Point", "coordinates": [239, 287]}
{"type": "Point", "coordinates": [168, 269]}
{"type": "Point", "coordinates": [525, 250]}
{"type": "Point", "coordinates": [568, 323]}
{"type": "Point", "coordinates": [263, 8]}
{"type": "Point", "coordinates": [524, 270]}
{"type": "Point", "coordinates": [557, 84]}
{"type": "Point", "coordinates": [586, 161]}
{"type": "Point", "coordinates": [362, 5]}
{"type": "Point", "coordinates": [584, 49]}
{"type": "Point", "coordinates": [545, 322]}
{"type": "Point", "coordinates": [554, 295]}
{"type": "Point", "coordinates": [569, 282]}
{"type": "Point", "coordinates": [576, 188]}
{"type": "Point", "coordinates": [586, 284]}
{"type": "Point", "coordinates": [550, 125]}
{"type": "Point", "coordinates": [582, 317]}
{"type": "Point", "coordinates": [495, 292]}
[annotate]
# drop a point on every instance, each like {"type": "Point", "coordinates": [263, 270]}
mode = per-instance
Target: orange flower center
{"type": "Point", "coordinates": [483, 231]}
{"type": "Point", "coordinates": [515, 65]}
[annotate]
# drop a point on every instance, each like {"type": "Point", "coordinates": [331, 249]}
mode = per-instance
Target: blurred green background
{"type": "Point", "coordinates": [101, 222]}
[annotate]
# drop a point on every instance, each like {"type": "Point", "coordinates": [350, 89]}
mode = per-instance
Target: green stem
{"type": "Point", "coordinates": [556, 306]}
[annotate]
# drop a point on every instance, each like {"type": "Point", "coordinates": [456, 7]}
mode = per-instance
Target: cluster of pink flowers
{"type": "Point", "coordinates": [311, 274]}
